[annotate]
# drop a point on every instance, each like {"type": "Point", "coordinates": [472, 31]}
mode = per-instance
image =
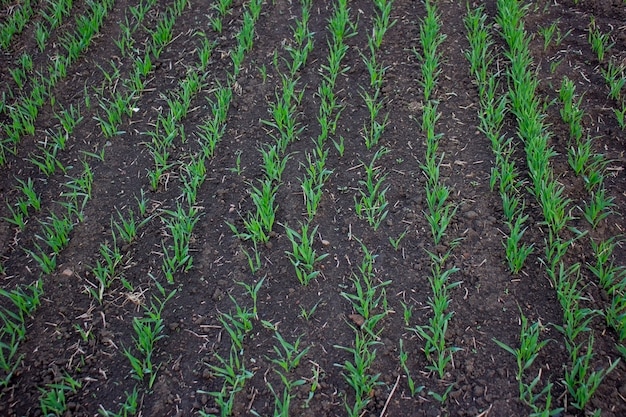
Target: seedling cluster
{"type": "Point", "coordinates": [439, 211]}
{"type": "Point", "coordinates": [189, 243]}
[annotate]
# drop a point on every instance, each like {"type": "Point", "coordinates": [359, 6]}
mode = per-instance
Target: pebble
{"type": "Point", "coordinates": [471, 215]}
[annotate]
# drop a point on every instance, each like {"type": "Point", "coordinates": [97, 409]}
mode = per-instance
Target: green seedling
{"type": "Point", "coordinates": [237, 169]}
{"type": "Point", "coordinates": [212, 130]}
{"type": "Point", "coordinates": [254, 258]}
{"type": "Point", "coordinates": [612, 279]}
{"type": "Point", "coordinates": [47, 262]}
{"type": "Point", "coordinates": [13, 326]}
{"type": "Point", "coordinates": [600, 42]}
{"type": "Point", "coordinates": [128, 408]}
{"type": "Point", "coordinates": [441, 398]}
{"type": "Point", "coordinates": [15, 23]}
{"type": "Point", "coordinates": [370, 303]}
{"type": "Point", "coordinates": [314, 382]}
{"type": "Point", "coordinates": [56, 232]}
{"type": "Point", "coordinates": [407, 313]}
{"type": "Point", "coordinates": [436, 349]}
{"type": "Point", "coordinates": [525, 355]}
{"type": "Point", "coordinates": [581, 381]}
{"type": "Point", "coordinates": [142, 203]}
{"type": "Point", "coordinates": [620, 115]}
{"type": "Point", "coordinates": [47, 161]}
{"type": "Point", "coordinates": [274, 162]}
{"type": "Point", "coordinates": [288, 355]}
{"type": "Point", "coordinates": [599, 207]}
{"type": "Point", "coordinates": [571, 113]}
{"type": "Point", "coordinates": [395, 242]}
{"type": "Point", "coordinates": [282, 401]}
{"type": "Point", "coordinates": [372, 131]}
{"type": "Point", "coordinates": [234, 374]}
{"type": "Point", "coordinates": [430, 39]}
{"type": "Point", "coordinates": [53, 399]}
{"type": "Point", "coordinates": [180, 224]}
{"type": "Point", "coordinates": [41, 36]}
{"type": "Point", "coordinates": [382, 22]}
{"type": "Point", "coordinates": [222, 7]}
{"type": "Point", "coordinates": [308, 314]}
{"type": "Point", "coordinates": [440, 213]}
{"type": "Point", "coordinates": [303, 38]}
{"type": "Point", "coordinates": [192, 177]}
{"type": "Point", "coordinates": [127, 227]}
{"type": "Point", "coordinates": [369, 299]}
{"type": "Point", "coordinates": [259, 225]}
{"type": "Point", "coordinates": [31, 198]}
{"type": "Point", "coordinates": [339, 145]}
{"type": "Point", "coordinates": [17, 218]}
{"type": "Point", "coordinates": [148, 330]}
{"type": "Point", "coordinates": [516, 251]}
{"type": "Point", "coordinates": [615, 78]}
{"type": "Point", "coordinates": [579, 156]}
{"type": "Point", "coordinates": [356, 373]}
{"type": "Point", "coordinates": [85, 334]}
{"type": "Point", "coordinates": [105, 269]}
{"type": "Point", "coordinates": [372, 202]}
{"type": "Point", "coordinates": [302, 255]}
{"type": "Point", "coordinates": [312, 184]}
{"type": "Point", "coordinates": [404, 357]}
{"type": "Point", "coordinates": [216, 24]}
{"type": "Point", "coordinates": [547, 33]}
{"type": "Point", "coordinates": [237, 324]}
{"type": "Point", "coordinates": [253, 291]}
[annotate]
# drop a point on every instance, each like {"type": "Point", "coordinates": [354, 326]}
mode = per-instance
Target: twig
{"type": "Point", "coordinates": [393, 390]}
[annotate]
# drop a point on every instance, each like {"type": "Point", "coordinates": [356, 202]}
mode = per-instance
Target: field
{"type": "Point", "coordinates": [315, 208]}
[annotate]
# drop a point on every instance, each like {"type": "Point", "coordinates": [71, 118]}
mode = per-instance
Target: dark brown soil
{"type": "Point", "coordinates": [486, 305]}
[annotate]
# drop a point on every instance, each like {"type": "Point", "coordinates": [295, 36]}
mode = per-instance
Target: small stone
{"type": "Point", "coordinates": [325, 242]}
{"type": "Point", "coordinates": [357, 319]}
{"type": "Point", "coordinates": [67, 272]}
{"type": "Point", "coordinates": [471, 215]}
